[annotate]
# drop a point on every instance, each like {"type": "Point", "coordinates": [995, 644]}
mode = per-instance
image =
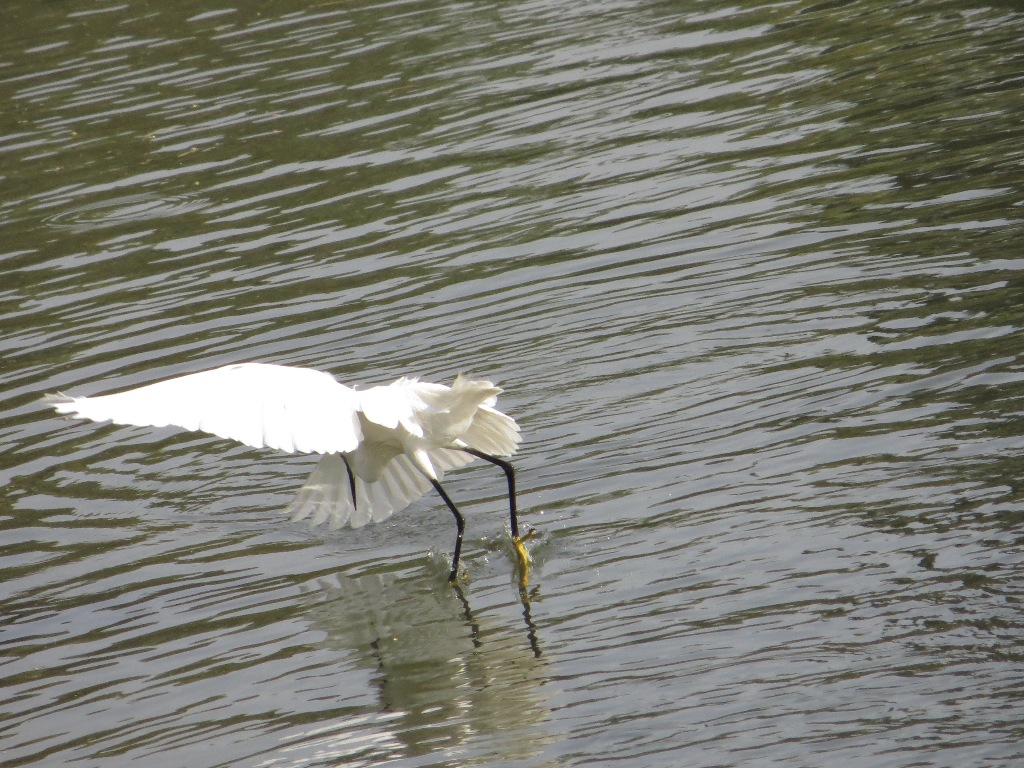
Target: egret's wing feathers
{"type": "Point", "coordinates": [388, 405]}
{"type": "Point", "coordinates": [273, 406]}
{"type": "Point", "coordinates": [440, 415]}
{"type": "Point", "coordinates": [399, 485]}
{"type": "Point", "coordinates": [327, 495]}
{"type": "Point", "coordinates": [492, 432]}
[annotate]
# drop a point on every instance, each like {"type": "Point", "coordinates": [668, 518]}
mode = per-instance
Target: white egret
{"type": "Point", "coordinates": [382, 447]}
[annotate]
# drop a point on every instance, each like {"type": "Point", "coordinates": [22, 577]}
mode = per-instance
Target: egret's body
{"type": "Point", "coordinates": [382, 447]}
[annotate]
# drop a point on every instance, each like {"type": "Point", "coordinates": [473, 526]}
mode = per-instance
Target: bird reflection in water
{"type": "Point", "coordinates": [448, 672]}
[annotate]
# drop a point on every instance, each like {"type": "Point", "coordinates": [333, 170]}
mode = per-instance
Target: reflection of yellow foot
{"type": "Point", "coordinates": [519, 542]}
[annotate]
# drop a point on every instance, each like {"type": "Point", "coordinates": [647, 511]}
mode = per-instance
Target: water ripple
{"type": "Point", "coordinates": [749, 275]}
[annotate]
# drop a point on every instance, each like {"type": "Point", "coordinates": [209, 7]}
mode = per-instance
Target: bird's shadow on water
{"type": "Point", "coordinates": [444, 668]}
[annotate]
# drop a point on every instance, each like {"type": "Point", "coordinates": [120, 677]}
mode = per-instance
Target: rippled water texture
{"type": "Point", "coordinates": [750, 274]}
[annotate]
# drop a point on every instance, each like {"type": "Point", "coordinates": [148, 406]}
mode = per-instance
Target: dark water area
{"type": "Point", "coordinates": [751, 278]}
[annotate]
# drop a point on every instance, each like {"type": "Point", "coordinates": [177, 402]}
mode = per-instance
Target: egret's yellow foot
{"type": "Point", "coordinates": [519, 542]}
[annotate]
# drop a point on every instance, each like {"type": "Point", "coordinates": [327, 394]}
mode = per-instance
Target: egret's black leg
{"type": "Point", "coordinates": [510, 475]}
{"type": "Point", "coordinates": [351, 481]}
{"type": "Point", "coordinates": [459, 521]}
{"type": "Point", "coordinates": [517, 541]}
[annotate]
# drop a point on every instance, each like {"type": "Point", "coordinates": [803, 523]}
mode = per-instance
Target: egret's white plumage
{"type": "Point", "coordinates": [382, 447]}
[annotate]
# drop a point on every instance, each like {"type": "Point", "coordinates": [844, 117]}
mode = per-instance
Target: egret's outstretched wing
{"type": "Point", "coordinates": [262, 405]}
